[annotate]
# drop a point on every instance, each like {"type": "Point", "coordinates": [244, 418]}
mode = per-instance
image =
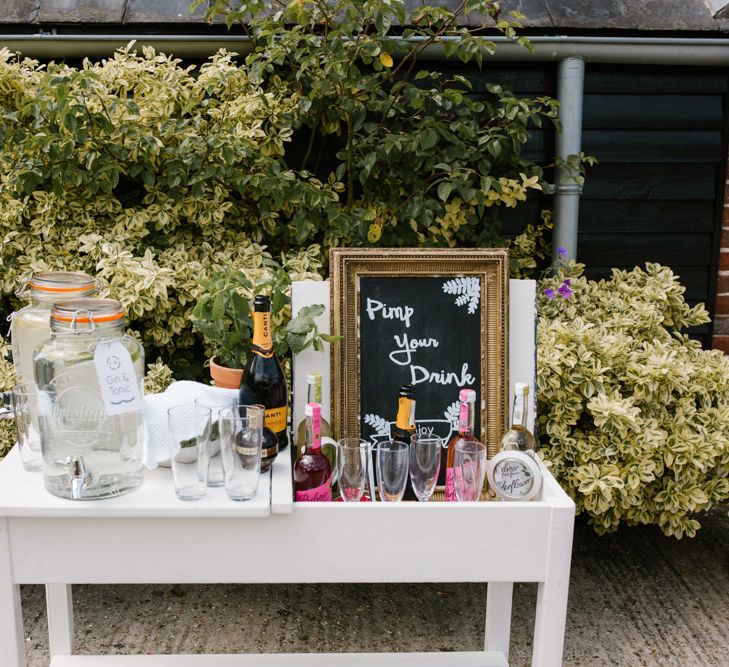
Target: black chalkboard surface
{"type": "Point", "coordinates": [435, 318]}
{"type": "Point", "coordinates": [424, 331]}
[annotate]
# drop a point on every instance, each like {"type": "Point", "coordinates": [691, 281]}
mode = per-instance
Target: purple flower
{"type": "Point", "coordinates": [549, 292]}
{"type": "Point", "coordinates": [561, 251]}
{"type": "Point", "coordinates": [564, 289]}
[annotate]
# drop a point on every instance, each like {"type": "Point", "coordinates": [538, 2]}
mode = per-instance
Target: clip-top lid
{"type": "Point", "coordinates": [66, 315]}
{"type": "Point", "coordinates": [50, 284]}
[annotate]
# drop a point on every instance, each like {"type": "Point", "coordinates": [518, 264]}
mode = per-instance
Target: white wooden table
{"type": "Point", "coordinates": [148, 536]}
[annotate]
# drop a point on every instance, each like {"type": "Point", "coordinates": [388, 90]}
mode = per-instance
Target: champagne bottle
{"type": "Point", "coordinates": [519, 436]}
{"type": "Point", "coordinates": [313, 395]}
{"type": "Point", "coordinates": [405, 424]}
{"type": "Point", "coordinates": [466, 422]}
{"type": "Point", "coordinates": [312, 472]}
{"type": "Point", "coordinates": [264, 383]}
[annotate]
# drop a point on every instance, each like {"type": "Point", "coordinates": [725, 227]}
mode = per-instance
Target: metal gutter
{"type": "Point", "coordinates": [621, 50]}
{"type": "Point", "coordinates": [567, 191]}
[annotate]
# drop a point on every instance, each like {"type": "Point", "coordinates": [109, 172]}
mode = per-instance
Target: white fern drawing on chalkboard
{"type": "Point", "coordinates": [380, 425]}
{"type": "Point", "coordinates": [451, 414]}
{"type": "Point", "coordinates": [468, 291]}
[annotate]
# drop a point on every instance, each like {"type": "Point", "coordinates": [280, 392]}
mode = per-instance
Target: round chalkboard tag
{"type": "Point", "coordinates": [514, 475]}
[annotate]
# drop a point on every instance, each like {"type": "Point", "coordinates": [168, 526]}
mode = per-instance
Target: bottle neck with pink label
{"type": "Point", "coordinates": [313, 428]}
{"type": "Point", "coordinates": [467, 413]}
{"type": "Point", "coordinates": [466, 424]}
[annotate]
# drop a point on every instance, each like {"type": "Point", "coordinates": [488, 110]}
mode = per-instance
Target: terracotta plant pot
{"type": "Point", "coordinates": [228, 378]}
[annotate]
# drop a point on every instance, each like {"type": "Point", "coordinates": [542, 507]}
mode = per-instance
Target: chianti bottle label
{"type": "Point", "coordinates": [274, 419]}
{"type": "Point", "coordinates": [319, 494]}
{"type": "Point", "coordinates": [262, 341]}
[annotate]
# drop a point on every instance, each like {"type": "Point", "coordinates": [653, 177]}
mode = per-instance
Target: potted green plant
{"type": "Point", "coordinates": [222, 315]}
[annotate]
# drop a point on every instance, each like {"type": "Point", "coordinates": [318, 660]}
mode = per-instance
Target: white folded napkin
{"type": "Point", "coordinates": [157, 450]}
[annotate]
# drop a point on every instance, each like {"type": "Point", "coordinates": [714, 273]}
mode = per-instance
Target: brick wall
{"type": "Point", "coordinates": [721, 317]}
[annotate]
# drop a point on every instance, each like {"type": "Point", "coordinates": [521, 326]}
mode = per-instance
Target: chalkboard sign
{"type": "Point", "coordinates": [432, 318]}
{"type": "Point", "coordinates": [420, 331]}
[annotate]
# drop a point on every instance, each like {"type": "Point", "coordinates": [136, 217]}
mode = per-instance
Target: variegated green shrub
{"type": "Point", "coordinates": [7, 380]}
{"type": "Point", "coordinates": [634, 415]}
{"type": "Point", "coordinates": [150, 176]}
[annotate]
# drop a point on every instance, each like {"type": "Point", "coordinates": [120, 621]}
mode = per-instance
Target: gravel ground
{"type": "Point", "coordinates": [636, 598]}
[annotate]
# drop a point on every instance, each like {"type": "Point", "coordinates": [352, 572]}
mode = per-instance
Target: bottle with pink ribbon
{"type": "Point", "coordinates": [466, 421]}
{"type": "Point", "coordinates": [312, 472]}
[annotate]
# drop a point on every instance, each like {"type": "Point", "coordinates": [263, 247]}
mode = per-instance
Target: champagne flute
{"type": "Point", "coordinates": [392, 469]}
{"type": "Point", "coordinates": [353, 457]}
{"type": "Point", "coordinates": [469, 468]}
{"type": "Point", "coordinates": [425, 451]}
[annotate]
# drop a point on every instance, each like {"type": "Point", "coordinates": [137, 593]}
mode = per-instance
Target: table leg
{"type": "Point", "coordinates": [12, 643]}
{"type": "Point", "coordinates": [59, 604]}
{"type": "Point", "coordinates": [498, 616]}
{"type": "Point", "coordinates": [551, 617]}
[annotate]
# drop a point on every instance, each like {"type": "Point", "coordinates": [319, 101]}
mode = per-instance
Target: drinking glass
{"type": "Point", "coordinates": [189, 456]}
{"type": "Point", "coordinates": [353, 456]}
{"type": "Point", "coordinates": [241, 440]}
{"type": "Point", "coordinates": [469, 469]}
{"type": "Point", "coordinates": [25, 410]}
{"type": "Point", "coordinates": [425, 451]}
{"type": "Point", "coordinates": [217, 405]}
{"type": "Point", "coordinates": [392, 469]}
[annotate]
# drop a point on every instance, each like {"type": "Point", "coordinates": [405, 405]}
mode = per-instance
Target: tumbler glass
{"type": "Point", "coordinates": [392, 469]}
{"type": "Point", "coordinates": [190, 438]}
{"type": "Point", "coordinates": [469, 469]}
{"type": "Point", "coordinates": [25, 406]}
{"type": "Point", "coordinates": [217, 405]}
{"type": "Point", "coordinates": [353, 456]}
{"type": "Point", "coordinates": [241, 441]}
{"type": "Point", "coordinates": [425, 451]}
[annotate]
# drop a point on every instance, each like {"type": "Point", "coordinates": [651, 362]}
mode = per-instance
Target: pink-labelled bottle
{"type": "Point", "coordinates": [466, 420]}
{"type": "Point", "coordinates": [312, 472]}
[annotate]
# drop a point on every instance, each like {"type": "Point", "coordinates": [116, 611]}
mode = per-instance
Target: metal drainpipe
{"type": "Point", "coordinates": [570, 85]}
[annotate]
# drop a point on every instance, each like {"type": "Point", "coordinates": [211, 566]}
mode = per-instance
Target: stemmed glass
{"type": "Point", "coordinates": [353, 457]}
{"type": "Point", "coordinates": [425, 451]}
{"type": "Point", "coordinates": [469, 468]}
{"type": "Point", "coordinates": [392, 469]}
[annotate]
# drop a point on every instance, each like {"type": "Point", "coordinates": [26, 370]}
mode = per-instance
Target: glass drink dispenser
{"type": "Point", "coordinates": [90, 378]}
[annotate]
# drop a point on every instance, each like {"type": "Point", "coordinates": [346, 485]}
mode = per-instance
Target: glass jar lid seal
{"type": "Point", "coordinates": [68, 314]}
{"type": "Point", "coordinates": [62, 282]}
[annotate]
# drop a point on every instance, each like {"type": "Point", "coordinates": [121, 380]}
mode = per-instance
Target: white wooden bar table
{"type": "Point", "coordinates": [145, 536]}
{"type": "Point", "coordinates": [148, 536]}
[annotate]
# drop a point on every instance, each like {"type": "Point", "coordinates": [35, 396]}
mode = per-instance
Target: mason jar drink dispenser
{"type": "Point", "coordinates": [30, 326]}
{"type": "Point", "coordinates": [90, 377]}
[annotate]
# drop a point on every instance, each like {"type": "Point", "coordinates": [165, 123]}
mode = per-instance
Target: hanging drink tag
{"type": "Point", "coordinates": [117, 379]}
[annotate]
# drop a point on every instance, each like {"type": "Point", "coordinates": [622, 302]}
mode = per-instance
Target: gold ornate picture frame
{"type": "Point", "coordinates": [483, 271]}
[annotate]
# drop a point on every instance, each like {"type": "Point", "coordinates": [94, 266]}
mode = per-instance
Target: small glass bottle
{"type": "Point", "coordinates": [518, 436]}
{"type": "Point", "coordinates": [466, 424]}
{"type": "Point", "coordinates": [90, 381]}
{"type": "Point", "coordinates": [312, 472]}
